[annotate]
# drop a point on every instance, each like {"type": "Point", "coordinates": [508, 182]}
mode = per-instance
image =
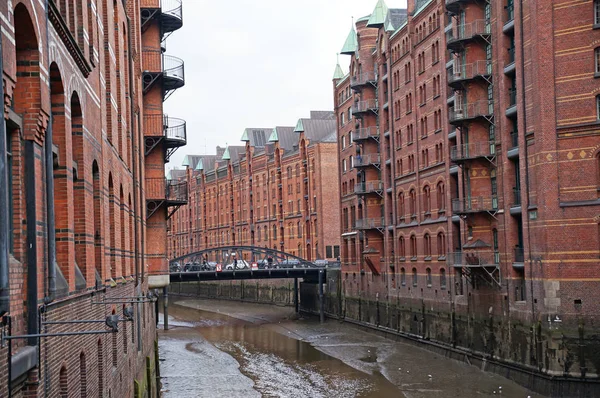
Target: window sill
{"type": "Point", "coordinates": [424, 136]}
{"type": "Point", "coordinates": [442, 258]}
{"type": "Point", "coordinates": [428, 258]}
{"type": "Point", "coordinates": [402, 259]}
{"type": "Point", "coordinates": [596, 76]}
{"type": "Point", "coordinates": [409, 143]}
{"type": "Point", "coordinates": [413, 259]}
{"type": "Point", "coordinates": [437, 61]}
{"type": "Point", "coordinates": [429, 285]}
{"type": "Point", "coordinates": [596, 26]}
{"type": "Point", "coordinates": [409, 112]}
{"type": "Point", "coordinates": [437, 131]}
{"type": "Point", "coordinates": [422, 104]}
{"type": "Point", "coordinates": [436, 96]}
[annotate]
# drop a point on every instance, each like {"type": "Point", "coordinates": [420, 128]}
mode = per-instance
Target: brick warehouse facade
{"type": "Point", "coordinates": [270, 193]}
{"type": "Point", "coordinates": [471, 207]}
{"type": "Point", "coordinates": [80, 83]}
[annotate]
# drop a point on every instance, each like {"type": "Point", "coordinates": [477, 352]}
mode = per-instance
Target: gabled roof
{"type": "Point", "coordinates": [199, 166]}
{"type": "Point", "coordinates": [379, 15]}
{"type": "Point", "coordinates": [351, 43]}
{"type": "Point", "coordinates": [274, 137]}
{"type": "Point", "coordinates": [299, 127]}
{"type": "Point", "coordinates": [338, 73]}
{"type": "Point", "coordinates": [226, 155]}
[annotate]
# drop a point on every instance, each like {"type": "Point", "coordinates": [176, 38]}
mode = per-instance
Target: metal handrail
{"type": "Point", "coordinates": [364, 133]}
{"type": "Point", "coordinates": [472, 110]}
{"type": "Point", "coordinates": [472, 150]}
{"type": "Point", "coordinates": [168, 65]}
{"type": "Point", "coordinates": [175, 128]}
{"type": "Point", "coordinates": [363, 106]}
{"type": "Point", "coordinates": [478, 258]}
{"type": "Point", "coordinates": [365, 160]}
{"type": "Point", "coordinates": [476, 204]}
{"type": "Point", "coordinates": [363, 78]}
{"type": "Point", "coordinates": [177, 190]}
{"type": "Point", "coordinates": [173, 67]}
{"type": "Point", "coordinates": [467, 31]}
{"type": "Point", "coordinates": [469, 71]}
{"type": "Point", "coordinates": [172, 7]}
{"type": "Point", "coordinates": [368, 186]}
{"type": "Point", "coordinates": [370, 223]}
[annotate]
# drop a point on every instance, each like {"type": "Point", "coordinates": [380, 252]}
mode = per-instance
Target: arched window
{"type": "Point", "coordinates": [63, 381]}
{"type": "Point", "coordinates": [401, 208]}
{"type": "Point", "coordinates": [442, 278]}
{"type": "Point", "coordinates": [429, 279]}
{"type": "Point", "coordinates": [427, 201]}
{"type": "Point", "coordinates": [82, 375]}
{"type": "Point", "coordinates": [413, 247]}
{"type": "Point", "coordinates": [274, 232]}
{"type": "Point", "coordinates": [441, 245]}
{"type": "Point", "coordinates": [402, 276]}
{"type": "Point", "coordinates": [413, 204]}
{"type": "Point", "coordinates": [415, 280]}
{"type": "Point", "coordinates": [427, 246]}
{"type": "Point", "coordinates": [598, 105]}
{"type": "Point", "coordinates": [402, 248]}
{"type": "Point", "coordinates": [441, 197]}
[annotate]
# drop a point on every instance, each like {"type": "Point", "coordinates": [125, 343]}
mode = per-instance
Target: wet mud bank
{"type": "Point", "coordinates": [225, 348]}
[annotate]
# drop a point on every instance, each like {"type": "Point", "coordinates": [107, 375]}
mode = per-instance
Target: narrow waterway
{"type": "Point", "coordinates": [230, 349]}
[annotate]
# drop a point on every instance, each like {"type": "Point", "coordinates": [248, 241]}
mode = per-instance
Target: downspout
{"type": "Point", "coordinates": [134, 165]}
{"type": "Point", "coordinates": [4, 209]}
{"type": "Point", "coordinates": [30, 213]}
{"type": "Point", "coordinates": [133, 143]}
{"type": "Point", "coordinates": [51, 295]}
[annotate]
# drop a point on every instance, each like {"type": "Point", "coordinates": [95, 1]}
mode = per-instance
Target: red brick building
{"type": "Point", "coordinates": [471, 201]}
{"type": "Point", "coordinates": [83, 84]}
{"type": "Point", "coordinates": [273, 192]}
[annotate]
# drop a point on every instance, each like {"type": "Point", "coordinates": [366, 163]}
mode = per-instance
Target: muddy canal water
{"type": "Point", "coordinates": [230, 349]}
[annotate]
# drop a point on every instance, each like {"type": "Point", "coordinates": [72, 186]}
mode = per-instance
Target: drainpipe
{"type": "Point", "coordinates": [134, 167]}
{"type": "Point", "coordinates": [51, 295]}
{"type": "Point", "coordinates": [4, 209]}
{"type": "Point", "coordinates": [30, 212]}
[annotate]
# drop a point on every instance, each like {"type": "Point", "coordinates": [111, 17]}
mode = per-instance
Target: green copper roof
{"type": "Point", "coordinates": [388, 26]}
{"type": "Point", "coordinates": [362, 19]}
{"type": "Point", "coordinates": [351, 44]}
{"type": "Point", "coordinates": [226, 155]}
{"type": "Point", "coordinates": [199, 166]}
{"type": "Point", "coordinates": [245, 136]}
{"type": "Point", "coordinates": [379, 15]}
{"type": "Point", "coordinates": [274, 137]}
{"type": "Point", "coordinates": [186, 161]}
{"type": "Point", "coordinates": [300, 126]}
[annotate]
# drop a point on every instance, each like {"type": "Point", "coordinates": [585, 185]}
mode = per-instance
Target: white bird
{"type": "Point", "coordinates": [407, 371]}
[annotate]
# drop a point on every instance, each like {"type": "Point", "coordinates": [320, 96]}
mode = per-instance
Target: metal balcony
{"type": "Point", "coordinates": [368, 187]}
{"type": "Point", "coordinates": [158, 65]}
{"type": "Point", "coordinates": [464, 73]}
{"type": "Point", "coordinates": [479, 29]}
{"type": "Point", "coordinates": [370, 223]}
{"type": "Point", "coordinates": [481, 264]}
{"type": "Point", "coordinates": [365, 134]}
{"type": "Point", "coordinates": [360, 108]}
{"type": "Point", "coordinates": [454, 6]}
{"type": "Point", "coordinates": [473, 150]}
{"type": "Point", "coordinates": [162, 192]}
{"type": "Point", "coordinates": [164, 129]}
{"type": "Point", "coordinates": [481, 204]}
{"type": "Point", "coordinates": [168, 12]}
{"type": "Point", "coordinates": [362, 79]}
{"type": "Point", "coordinates": [373, 159]}
{"type": "Point", "coordinates": [468, 112]}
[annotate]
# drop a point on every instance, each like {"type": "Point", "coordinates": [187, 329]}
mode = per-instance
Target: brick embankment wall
{"type": "Point", "coordinates": [279, 292]}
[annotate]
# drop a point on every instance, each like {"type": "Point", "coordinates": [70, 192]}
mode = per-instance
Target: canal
{"type": "Point", "coordinates": [231, 349]}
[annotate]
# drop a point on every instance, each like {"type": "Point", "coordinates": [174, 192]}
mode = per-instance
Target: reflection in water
{"type": "Point", "coordinates": [208, 354]}
{"type": "Point", "coordinates": [211, 347]}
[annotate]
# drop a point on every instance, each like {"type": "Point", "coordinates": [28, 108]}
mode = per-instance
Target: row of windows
{"type": "Point", "coordinates": [428, 278]}
{"type": "Point", "coordinates": [412, 253]}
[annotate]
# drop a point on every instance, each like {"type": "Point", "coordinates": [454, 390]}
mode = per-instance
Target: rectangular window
{"type": "Point", "coordinates": [328, 252]}
{"type": "Point", "coordinates": [596, 12]}
{"type": "Point", "coordinates": [597, 58]}
{"type": "Point", "coordinates": [336, 251]}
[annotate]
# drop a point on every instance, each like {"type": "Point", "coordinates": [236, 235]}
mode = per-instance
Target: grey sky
{"type": "Point", "coordinates": [256, 63]}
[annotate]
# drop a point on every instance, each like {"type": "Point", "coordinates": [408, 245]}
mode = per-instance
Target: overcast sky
{"type": "Point", "coordinates": [256, 63]}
